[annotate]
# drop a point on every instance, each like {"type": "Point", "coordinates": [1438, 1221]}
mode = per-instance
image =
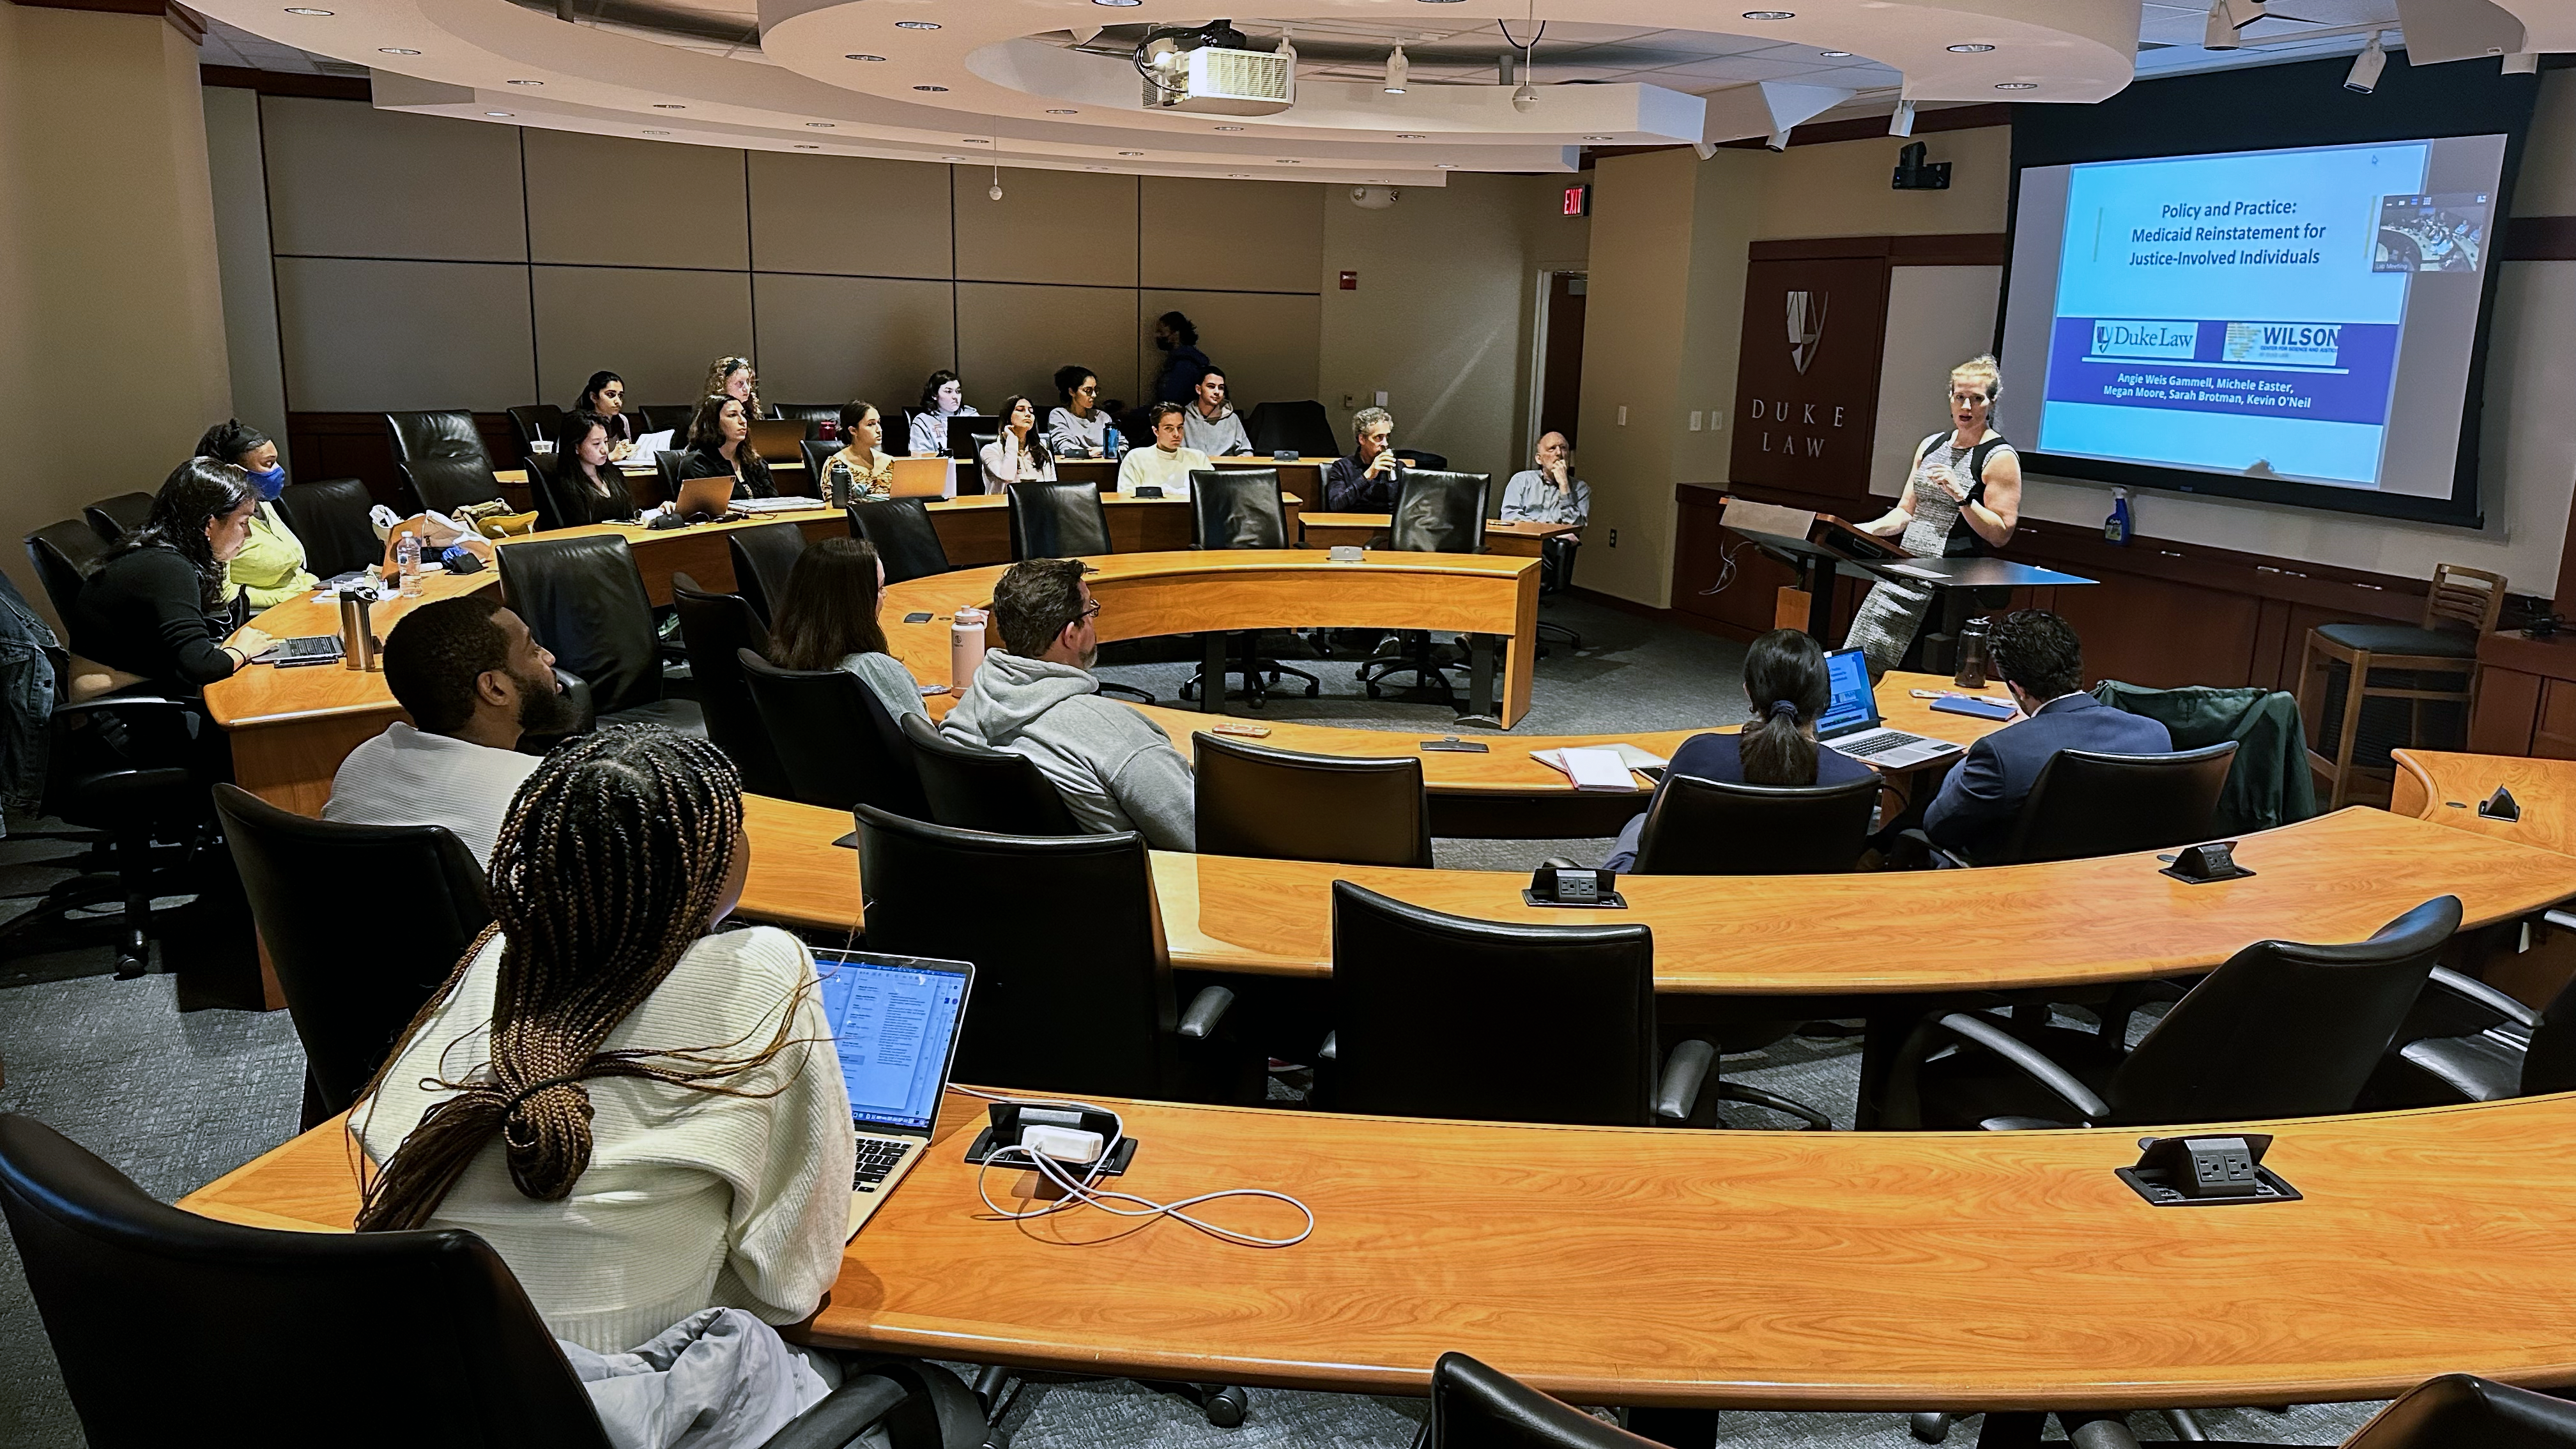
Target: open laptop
{"type": "Point", "coordinates": [894, 1026]}
{"type": "Point", "coordinates": [1851, 724]}
{"type": "Point", "coordinates": [709, 497]}
{"type": "Point", "coordinates": [919, 478]}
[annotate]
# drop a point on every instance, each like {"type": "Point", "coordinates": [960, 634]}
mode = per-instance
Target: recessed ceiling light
{"type": "Point", "coordinates": [1062, 111]}
{"type": "Point", "coordinates": [2017, 85]}
{"type": "Point", "coordinates": [1834, 54]}
{"type": "Point", "coordinates": [1444, 165]}
{"type": "Point", "coordinates": [930, 88]}
{"type": "Point", "coordinates": [821, 126]}
{"type": "Point", "coordinates": [952, 158]}
{"type": "Point", "coordinates": [1239, 175]}
{"type": "Point", "coordinates": [1598, 138]}
{"type": "Point", "coordinates": [1970, 49]}
{"type": "Point", "coordinates": [1095, 168]}
{"type": "Point", "coordinates": [1290, 161]}
{"type": "Point", "coordinates": [1131, 153]}
{"type": "Point", "coordinates": [657, 133]}
{"type": "Point", "coordinates": [916, 25]}
{"type": "Point", "coordinates": [860, 55]}
{"type": "Point", "coordinates": [396, 50]}
{"type": "Point", "coordinates": [1410, 136]}
{"type": "Point", "coordinates": [527, 83]}
{"type": "Point", "coordinates": [668, 106]}
{"type": "Point", "coordinates": [496, 113]}
{"type": "Point", "coordinates": [1770, 14]}
{"type": "Point", "coordinates": [975, 140]}
{"type": "Point", "coordinates": [807, 146]}
{"type": "Point", "coordinates": [305, 10]}
{"type": "Point", "coordinates": [1118, 4]}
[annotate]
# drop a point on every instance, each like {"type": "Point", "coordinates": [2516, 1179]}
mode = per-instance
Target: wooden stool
{"type": "Point", "coordinates": [2460, 610]}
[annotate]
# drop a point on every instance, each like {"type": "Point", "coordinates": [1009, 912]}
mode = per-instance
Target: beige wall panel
{"type": "Point", "coordinates": [830, 339]}
{"type": "Point", "coordinates": [242, 248]}
{"type": "Point", "coordinates": [1013, 338]}
{"type": "Point", "coordinates": [348, 180]}
{"type": "Point", "coordinates": [1233, 236]}
{"type": "Point", "coordinates": [1936, 318]}
{"type": "Point", "coordinates": [1267, 343]}
{"type": "Point", "coordinates": [697, 217]}
{"type": "Point", "coordinates": [656, 329]}
{"type": "Point", "coordinates": [1635, 340]}
{"type": "Point", "coordinates": [1049, 226]}
{"type": "Point", "coordinates": [849, 215]}
{"type": "Point", "coordinates": [364, 336]}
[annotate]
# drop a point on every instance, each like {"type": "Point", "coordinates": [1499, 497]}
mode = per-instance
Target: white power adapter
{"type": "Point", "coordinates": [1064, 1144]}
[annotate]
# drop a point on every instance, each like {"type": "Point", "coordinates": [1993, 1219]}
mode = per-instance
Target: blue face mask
{"type": "Point", "coordinates": [271, 483]}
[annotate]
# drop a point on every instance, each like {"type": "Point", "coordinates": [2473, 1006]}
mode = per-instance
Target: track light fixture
{"type": "Point", "coordinates": [1396, 68]}
{"type": "Point", "coordinates": [1902, 123]}
{"type": "Point", "coordinates": [2226, 18]}
{"type": "Point", "coordinates": [2364, 75]}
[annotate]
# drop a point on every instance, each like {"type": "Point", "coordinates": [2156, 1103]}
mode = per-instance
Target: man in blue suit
{"type": "Point", "coordinates": [2042, 663]}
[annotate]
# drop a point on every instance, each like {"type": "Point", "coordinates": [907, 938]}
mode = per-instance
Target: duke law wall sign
{"type": "Point", "coordinates": [1806, 400]}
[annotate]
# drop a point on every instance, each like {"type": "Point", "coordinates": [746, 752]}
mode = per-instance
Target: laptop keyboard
{"type": "Point", "coordinates": [877, 1157]}
{"type": "Point", "coordinates": [308, 646]}
{"type": "Point", "coordinates": [1878, 744]}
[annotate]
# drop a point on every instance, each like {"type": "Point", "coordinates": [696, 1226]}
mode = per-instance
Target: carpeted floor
{"type": "Point", "coordinates": [176, 1093]}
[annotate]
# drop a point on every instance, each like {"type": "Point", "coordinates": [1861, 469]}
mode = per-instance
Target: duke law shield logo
{"type": "Point", "coordinates": [1806, 327]}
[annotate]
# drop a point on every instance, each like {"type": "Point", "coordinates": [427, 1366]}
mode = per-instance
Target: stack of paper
{"type": "Point", "coordinates": [1627, 757]}
{"type": "Point", "coordinates": [651, 443]}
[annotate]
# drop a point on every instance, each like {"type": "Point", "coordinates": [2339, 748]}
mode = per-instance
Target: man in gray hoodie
{"type": "Point", "coordinates": [1035, 697]}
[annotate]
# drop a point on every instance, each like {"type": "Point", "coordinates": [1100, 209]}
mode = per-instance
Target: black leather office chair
{"type": "Point", "coordinates": [1475, 1407]}
{"type": "Point", "coordinates": [2086, 803]}
{"type": "Point", "coordinates": [1414, 458]}
{"type": "Point", "coordinates": [262, 1309]}
{"type": "Point", "coordinates": [541, 423]}
{"type": "Point", "coordinates": [810, 414]}
{"type": "Point", "coordinates": [833, 738]}
{"type": "Point", "coordinates": [554, 510]}
{"type": "Point", "coordinates": [989, 790]}
{"type": "Point", "coordinates": [1556, 575]}
{"type": "Point", "coordinates": [317, 892]}
{"type": "Point", "coordinates": [2465, 1041]}
{"type": "Point", "coordinates": [1718, 827]}
{"type": "Point", "coordinates": [114, 518]}
{"type": "Point", "coordinates": [1302, 427]}
{"type": "Point", "coordinates": [2455, 1411]}
{"type": "Point", "coordinates": [1058, 520]}
{"type": "Point", "coordinates": [583, 598]}
{"type": "Point", "coordinates": [979, 442]}
{"type": "Point", "coordinates": [1242, 508]}
{"type": "Point", "coordinates": [65, 554]}
{"type": "Point", "coordinates": [330, 519]}
{"type": "Point", "coordinates": [712, 627]}
{"type": "Point", "coordinates": [2280, 1029]}
{"type": "Point", "coordinates": [1277, 805]}
{"type": "Point", "coordinates": [442, 458]}
{"type": "Point", "coordinates": [763, 556]}
{"type": "Point", "coordinates": [1435, 512]}
{"type": "Point", "coordinates": [816, 452]}
{"type": "Point", "coordinates": [1433, 1016]}
{"type": "Point", "coordinates": [907, 542]}
{"type": "Point", "coordinates": [666, 470]}
{"type": "Point", "coordinates": [1073, 986]}
{"type": "Point", "coordinates": [673, 419]}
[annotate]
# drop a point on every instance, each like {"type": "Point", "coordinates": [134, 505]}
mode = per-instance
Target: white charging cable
{"type": "Point", "coordinates": [1087, 1190]}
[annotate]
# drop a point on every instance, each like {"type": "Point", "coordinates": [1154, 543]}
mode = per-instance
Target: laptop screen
{"type": "Point", "coordinates": [1853, 706]}
{"type": "Point", "coordinates": [894, 1024]}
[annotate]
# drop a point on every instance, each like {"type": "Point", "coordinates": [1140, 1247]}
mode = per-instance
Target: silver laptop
{"type": "Point", "coordinates": [895, 1021]}
{"type": "Point", "coordinates": [1850, 723]}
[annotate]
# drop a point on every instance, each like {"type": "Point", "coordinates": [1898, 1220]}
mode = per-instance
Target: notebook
{"type": "Point", "coordinates": [1610, 773]}
{"type": "Point", "coordinates": [894, 1023]}
{"type": "Point", "coordinates": [1851, 725]}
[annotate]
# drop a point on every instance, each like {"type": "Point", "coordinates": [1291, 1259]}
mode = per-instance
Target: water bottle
{"type": "Point", "coordinates": [965, 649]}
{"type": "Point", "coordinates": [357, 636]}
{"type": "Point", "coordinates": [407, 559]}
{"type": "Point", "coordinates": [1972, 656]}
{"type": "Point", "coordinates": [1110, 443]}
{"type": "Point", "coordinates": [2115, 529]}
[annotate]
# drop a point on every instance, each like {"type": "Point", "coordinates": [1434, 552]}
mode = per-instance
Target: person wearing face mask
{"type": "Point", "coordinates": [943, 397]}
{"type": "Point", "coordinates": [270, 567]}
{"type": "Point", "coordinates": [1962, 498]}
{"type": "Point", "coordinates": [1184, 364]}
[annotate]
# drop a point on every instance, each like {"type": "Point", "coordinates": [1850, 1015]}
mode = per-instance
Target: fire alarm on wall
{"type": "Point", "coordinates": [1350, 281]}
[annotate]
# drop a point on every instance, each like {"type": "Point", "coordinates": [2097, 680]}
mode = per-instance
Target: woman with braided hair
{"type": "Point", "coordinates": [643, 1117]}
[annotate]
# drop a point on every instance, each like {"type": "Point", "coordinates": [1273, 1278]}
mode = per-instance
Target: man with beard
{"type": "Point", "coordinates": [1035, 697]}
{"type": "Point", "coordinates": [474, 681]}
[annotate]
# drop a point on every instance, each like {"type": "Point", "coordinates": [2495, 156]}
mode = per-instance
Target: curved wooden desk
{"type": "Point", "coordinates": [1193, 592]}
{"type": "Point", "coordinates": [1851, 1271]}
{"type": "Point", "coordinates": [2447, 789]}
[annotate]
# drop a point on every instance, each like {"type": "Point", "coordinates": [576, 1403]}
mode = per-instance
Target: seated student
{"type": "Point", "coordinates": [1035, 696]}
{"type": "Point", "coordinates": [1367, 480]}
{"type": "Point", "coordinates": [720, 447]}
{"type": "Point", "coordinates": [155, 608]}
{"type": "Point", "coordinates": [1080, 428]}
{"type": "Point", "coordinates": [828, 620]}
{"type": "Point", "coordinates": [1208, 424]}
{"type": "Point", "coordinates": [1549, 493]}
{"type": "Point", "coordinates": [2040, 660]}
{"type": "Point", "coordinates": [473, 681]}
{"type": "Point", "coordinates": [942, 397]}
{"type": "Point", "coordinates": [861, 472]}
{"type": "Point", "coordinates": [1784, 677]}
{"type": "Point", "coordinates": [270, 567]}
{"type": "Point", "coordinates": [1019, 455]}
{"type": "Point", "coordinates": [1167, 464]}
{"type": "Point", "coordinates": [604, 397]}
{"type": "Point", "coordinates": [735, 377]}
{"type": "Point", "coordinates": [591, 488]}
{"type": "Point", "coordinates": [662, 1128]}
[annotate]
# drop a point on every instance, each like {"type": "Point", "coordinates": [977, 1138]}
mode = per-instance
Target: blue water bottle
{"type": "Point", "coordinates": [1109, 442]}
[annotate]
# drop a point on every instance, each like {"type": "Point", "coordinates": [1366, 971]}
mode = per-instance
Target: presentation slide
{"type": "Point", "coordinates": [2305, 316]}
{"type": "Point", "coordinates": [891, 1028]}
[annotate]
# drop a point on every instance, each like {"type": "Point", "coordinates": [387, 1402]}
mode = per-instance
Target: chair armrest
{"type": "Point", "coordinates": [1915, 851]}
{"type": "Point", "coordinates": [843, 1415]}
{"type": "Point", "coordinates": [1685, 1072]}
{"type": "Point", "coordinates": [2563, 920]}
{"type": "Point", "coordinates": [2029, 1059]}
{"type": "Point", "coordinates": [2103, 1434]}
{"type": "Point", "coordinates": [2486, 996]}
{"type": "Point", "coordinates": [1206, 1009]}
{"type": "Point", "coordinates": [1331, 1050]}
{"type": "Point", "coordinates": [123, 701]}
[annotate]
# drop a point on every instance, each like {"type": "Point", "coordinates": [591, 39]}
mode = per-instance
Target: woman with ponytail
{"type": "Point", "coordinates": [643, 1117]}
{"type": "Point", "coordinates": [1784, 678]}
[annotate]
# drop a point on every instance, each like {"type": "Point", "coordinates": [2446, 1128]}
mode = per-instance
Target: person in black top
{"type": "Point", "coordinates": [720, 446]}
{"type": "Point", "coordinates": [604, 397]}
{"type": "Point", "coordinates": [1368, 480]}
{"type": "Point", "coordinates": [155, 608]}
{"type": "Point", "coordinates": [587, 485]}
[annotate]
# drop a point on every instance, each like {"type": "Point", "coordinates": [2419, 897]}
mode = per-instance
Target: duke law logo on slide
{"type": "Point", "coordinates": [1806, 327]}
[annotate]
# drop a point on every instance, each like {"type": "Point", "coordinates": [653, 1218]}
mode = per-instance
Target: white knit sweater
{"type": "Point", "coordinates": [692, 1199]}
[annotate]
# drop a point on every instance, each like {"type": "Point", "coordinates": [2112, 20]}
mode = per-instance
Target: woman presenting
{"type": "Point", "coordinates": [1962, 499]}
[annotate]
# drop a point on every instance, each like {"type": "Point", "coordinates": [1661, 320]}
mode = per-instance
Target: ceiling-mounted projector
{"type": "Point", "coordinates": [1211, 70]}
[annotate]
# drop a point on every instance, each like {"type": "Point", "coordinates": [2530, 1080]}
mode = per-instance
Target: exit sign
{"type": "Point", "coordinates": [1578, 201]}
